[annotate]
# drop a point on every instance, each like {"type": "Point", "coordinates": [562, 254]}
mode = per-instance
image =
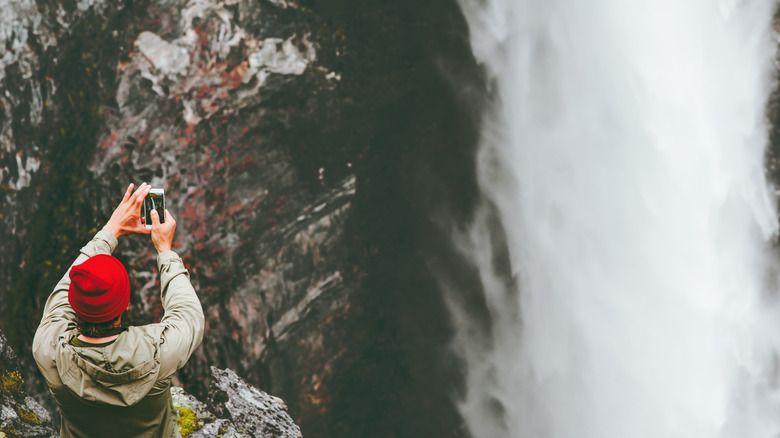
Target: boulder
{"type": "Point", "coordinates": [235, 409]}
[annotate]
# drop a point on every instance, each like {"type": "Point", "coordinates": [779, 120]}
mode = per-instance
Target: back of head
{"type": "Point", "coordinates": [99, 289]}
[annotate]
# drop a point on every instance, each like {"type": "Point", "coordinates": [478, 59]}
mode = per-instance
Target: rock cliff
{"type": "Point", "coordinates": [306, 149]}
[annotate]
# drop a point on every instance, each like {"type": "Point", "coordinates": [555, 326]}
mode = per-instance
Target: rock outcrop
{"type": "Point", "coordinates": [20, 414]}
{"type": "Point", "coordinates": [234, 409]}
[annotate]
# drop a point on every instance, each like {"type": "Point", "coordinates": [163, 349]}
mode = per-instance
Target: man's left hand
{"type": "Point", "coordinates": [126, 219]}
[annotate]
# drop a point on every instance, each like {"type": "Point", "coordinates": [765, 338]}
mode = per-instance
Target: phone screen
{"type": "Point", "coordinates": [155, 200]}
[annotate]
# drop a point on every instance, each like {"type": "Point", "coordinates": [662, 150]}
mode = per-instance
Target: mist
{"type": "Point", "coordinates": [621, 166]}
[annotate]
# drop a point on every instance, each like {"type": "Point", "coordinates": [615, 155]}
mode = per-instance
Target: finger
{"type": "Point", "coordinates": [169, 217]}
{"type": "Point", "coordinates": [141, 187]}
{"type": "Point", "coordinates": [155, 219]}
{"type": "Point", "coordinates": [139, 191]}
{"type": "Point", "coordinates": [128, 192]}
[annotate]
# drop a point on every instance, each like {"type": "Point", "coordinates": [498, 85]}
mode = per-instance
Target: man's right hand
{"type": "Point", "coordinates": [126, 218]}
{"type": "Point", "coordinates": [162, 234]}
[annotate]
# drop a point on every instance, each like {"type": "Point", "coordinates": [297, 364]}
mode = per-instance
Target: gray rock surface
{"type": "Point", "coordinates": [235, 409]}
{"type": "Point", "coordinates": [20, 414]}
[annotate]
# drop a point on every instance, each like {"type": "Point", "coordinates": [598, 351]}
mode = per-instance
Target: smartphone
{"type": "Point", "coordinates": [155, 200]}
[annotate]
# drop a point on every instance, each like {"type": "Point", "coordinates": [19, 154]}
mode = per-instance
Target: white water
{"type": "Point", "coordinates": [623, 155]}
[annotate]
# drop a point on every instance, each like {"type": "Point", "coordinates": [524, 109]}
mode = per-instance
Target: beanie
{"type": "Point", "coordinates": [99, 289]}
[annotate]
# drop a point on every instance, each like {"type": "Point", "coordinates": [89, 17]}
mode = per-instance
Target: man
{"type": "Point", "coordinates": [111, 381]}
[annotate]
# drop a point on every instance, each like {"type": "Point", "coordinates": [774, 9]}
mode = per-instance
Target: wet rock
{"type": "Point", "coordinates": [242, 411]}
{"type": "Point", "coordinates": [20, 414]}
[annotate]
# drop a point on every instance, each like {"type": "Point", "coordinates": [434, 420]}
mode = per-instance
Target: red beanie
{"type": "Point", "coordinates": [99, 289]}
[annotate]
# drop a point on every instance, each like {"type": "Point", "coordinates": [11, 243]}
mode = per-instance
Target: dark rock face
{"type": "Point", "coordinates": [20, 414]}
{"type": "Point", "coordinates": [308, 151]}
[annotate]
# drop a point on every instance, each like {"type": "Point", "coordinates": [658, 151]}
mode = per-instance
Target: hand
{"type": "Point", "coordinates": [162, 233]}
{"type": "Point", "coordinates": [126, 219]}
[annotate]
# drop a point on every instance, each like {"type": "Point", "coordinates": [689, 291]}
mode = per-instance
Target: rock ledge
{"type": "Point", "coordinates": [235, 409]}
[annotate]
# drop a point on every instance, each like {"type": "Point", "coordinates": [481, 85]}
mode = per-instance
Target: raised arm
{"type": "Point", "coordinates": [183, 319]}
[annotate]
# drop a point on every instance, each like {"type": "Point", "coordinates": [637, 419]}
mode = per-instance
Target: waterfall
{"type": "Point", "coordinates": [621, 165]}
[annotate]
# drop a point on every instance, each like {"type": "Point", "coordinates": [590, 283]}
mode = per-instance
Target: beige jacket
{"type": "Point", "coordinates": [122, 389]}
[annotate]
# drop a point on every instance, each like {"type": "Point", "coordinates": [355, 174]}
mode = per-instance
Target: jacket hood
{"type": "Point", "coordinates": [120, 374]}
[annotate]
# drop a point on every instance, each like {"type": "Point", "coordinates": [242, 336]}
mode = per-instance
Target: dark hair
{"type": "Point", "coordinates": [96, 330]}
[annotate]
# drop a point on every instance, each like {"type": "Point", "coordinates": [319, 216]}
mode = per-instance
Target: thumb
{"type": "Point", "coordinates": [155, 218]}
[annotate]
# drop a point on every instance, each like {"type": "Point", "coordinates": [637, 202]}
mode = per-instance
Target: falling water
{"type": "Point", "coordinates": [621, 162]}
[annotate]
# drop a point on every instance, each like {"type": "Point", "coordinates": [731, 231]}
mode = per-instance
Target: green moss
{"type": "Point", "coordinates": [11, 383]}
{"type": "Point", "coordinates": [188, 421]}
{"type": "Point", "coordinates": [28, 416]}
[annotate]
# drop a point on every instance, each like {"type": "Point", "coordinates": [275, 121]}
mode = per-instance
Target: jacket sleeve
{"type": "Point", "coordinates": [183, 320]}
{"type": "Point", "coordinates": [58, 316]}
